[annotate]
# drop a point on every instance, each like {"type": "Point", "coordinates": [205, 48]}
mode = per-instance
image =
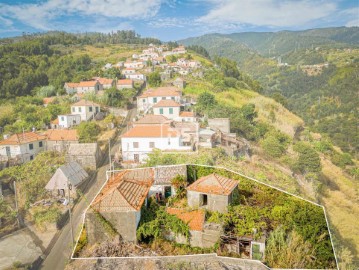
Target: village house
{"type": "Point", "coordinates": [68, 120]}
{"type": "Point", "coordinates": [186, 117]}
{"type": "Point", "coordinates": [60, 139]}
{"type": "Point", "coordinates": [48, 100]}
{"type": "Point", "coordinates": [152, 96]}
{"type": "Point", "coordinates": [86, 109]}
{"type": "Point", "coordinates": [119, 203]}
{"type": "Point", "coordinates": [142, 139]}
{"type": "Point", "coordinates": [212, 192]}
{"type": "Point", "coordinates": [206, 138]}
{"type": "Point", "coordinates": [128, 71]}
{"type": "Point", "coordinates": [105, 82]}
{"type": "Point", "coordinates": [88, 155]}
{"type": "Point", "coordinates": [83, 87]}
{"type": "Point", "coordinates": [179, 82]}
{"type": "Point", "coordinates": [134, 64]}
{"type": "Point", "coordinates": [66, 180]}
{"type": "Point", "coordinates": [21, 147]}
{"type": "Point", "coordinates": [125, 84]}
{"type": "Point", "coordinates": [136, 76]}
{"type": "Point", "coordinates": [168, 108]}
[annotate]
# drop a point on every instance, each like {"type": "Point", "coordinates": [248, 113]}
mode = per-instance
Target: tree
{"type": "Point", "coordinates": [206, 102]}
{"type": "Point", "coordinates": [154, 79]}
{"type": "Point", "coordinates": [88, 132]}
{"type": "Point", "coordinates": [308, 160]}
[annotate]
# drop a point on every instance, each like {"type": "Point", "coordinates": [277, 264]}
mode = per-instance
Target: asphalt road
{"type": "Point", "coordinates": [60, 253]}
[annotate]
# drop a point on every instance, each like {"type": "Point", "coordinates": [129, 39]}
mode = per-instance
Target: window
{"type": "Point", "coordinates": [169, 141]}
{"type": "Point", "coordinates": [62, 118]}
{"type": "Point", "coordinates": [79, 109]}
{"type": "Point", "coordinates": [163, 98]}
{"type": "Point", "coordinates": [173, 98]}
{"type": "Point", "coordinates": [154, 100]}
{"type": "Point", "coordinates": [31, 157]}
{"type": "Point", "coordinates": [8, 152]}
{"type": "Point", "coordinates": [171, 110]}
{"type": "Point", "coordinates": [204, 199]}
{"type": "Point", "coordinates": [136, 157]}
{"type": "Point", "coordinates": [161, 110]}
{"type": "Point", "coordinates": [97, 109]}
{"type": "Point", "coordinates": [135, 144]}
{"type": "Point", "coordinates": [73, 109]}
{"type": "Point", "coordinates": [152, 144]}
{"type": "Point", "coordinates": [90, 109]}
{"type": "Point", "coordinates": [40, 144]}
{"type": "Point", "coordinates": [143, 100]}
{"type": "Point", "coordinates": [31, 146]}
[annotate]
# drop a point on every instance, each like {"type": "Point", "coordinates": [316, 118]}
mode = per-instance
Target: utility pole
{"type": "Point", "coordinates": [109, 154]}
{"type": "Point", "coordinates": [69, 207]}
{"type": "Point", "coordinates": [16, 206]}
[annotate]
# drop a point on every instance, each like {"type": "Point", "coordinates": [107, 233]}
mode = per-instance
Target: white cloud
{"type": "Point", "coordinates": [352, 16]}
{"type": "Point", "coordinates": [271, 13]}
{"type": "Point", "coordinates": [170, 22]}
{"type": "Point", "coordinates": [41, 15]}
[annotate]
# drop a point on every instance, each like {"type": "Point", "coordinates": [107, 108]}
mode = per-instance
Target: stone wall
{"type": "Point", "coordinates": [223, 124]}
{"type": "Point", "coordinates": [164, 175]}
{"type": "Point", "coordinates": [96, 233]}
{"type": "Point", "coordinates": [125, 223]}
{"type": "Point", "coordinates": [214, 202]}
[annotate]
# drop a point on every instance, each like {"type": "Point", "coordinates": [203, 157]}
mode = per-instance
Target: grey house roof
{"type": "Point", "coordinates": [71, 173]}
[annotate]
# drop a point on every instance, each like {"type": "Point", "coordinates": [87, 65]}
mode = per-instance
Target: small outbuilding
{"type": "Point", "coordinates": [66, 179]}
{"type": "Point", "coordinates": [213, 192]}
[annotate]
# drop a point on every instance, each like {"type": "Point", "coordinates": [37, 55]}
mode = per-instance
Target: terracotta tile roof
{"type": "Point", "coordinates": [82, 84]}
{"type": "Point", "coordinates": [125, 82]}
{"type": "Point", "coordinates": [186, 114]}
{"type": "Point", "coordinates": [55, 122]}
{"type": "Point", "coordinates": [162, 92]}
{"type": "Point", "coordinates": [214, 184]}
{"type": "Point", "coordinates": [150, 131]}
{"type": "Point", "coordinates": [122, 193]}
{"type": "Point", "coordinates": [166, 103]}
{"type": "Point", "coordinates": [83, 102]}
{"type": "Point", "coordinates": [103, 80]}
{"type": "Point", "coordinates": [48, 100]}
{"type": "Point", "coordinates": [72, 85]}
{"type": "Point", "coordinates": [195, 219]}
{"type": "Point", "coordinates": [21, 138]}
{"type": "Point", "coordinates": [61, 135]}
{"type": "Point", "coordinates": [152, 119]}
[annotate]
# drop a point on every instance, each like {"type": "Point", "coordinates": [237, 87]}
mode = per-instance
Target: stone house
{"type": "Point", "coordinates": [168, 108]}
{"type": "Point", "coordinates": [88, 155]}
{"type": "Point", "coordinates": [105, 82]}
{"type": "Point", "coordinates": [179, 82]}
{"type": "Point", "coordinates": [66, 180]}
{"type": "Point", "coordinates": [119, 203]}
{"type": "Point", "coordinates": [22, 147]}
{"type": "Point", "coordinates": [86, 109]}
{"type": "Point", "coordinates": [212, 192]}
{"type": "Point", "coordinates": [83, 87]}
{"type": "Point", "coordinates": [60, 139]}
{"type": "Point", "coordinates": [124, 84]}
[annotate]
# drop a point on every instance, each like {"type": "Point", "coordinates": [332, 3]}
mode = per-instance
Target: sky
{"type": "Point", "coordinates": [174, 19]}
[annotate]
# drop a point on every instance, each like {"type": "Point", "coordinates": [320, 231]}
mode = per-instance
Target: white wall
{"type": "Point", "coordinates": [84, 111]}
{"type": "Point", "coordinates": [148, 102]}
{"type": "Point", "coordinates": [69, 120]}
{"type": "Point", "coordinates": [128, 150]}
{"type": "Point", "coordinates": [166, 112]}
{"type": "Point", "coordinates": [23, 150]}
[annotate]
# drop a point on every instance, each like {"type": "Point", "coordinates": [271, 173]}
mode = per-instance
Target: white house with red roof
{"type": "Point", "coordinates": [142, 139]}
{"type": "Point", "coordinates": [86, 109]}
{"type": "Point", "coordinates": [168, 108]}
{"type": "Point", "coordinates": [68, 120]}
{"type": "Point", "coordinates": [105, 82]}
{"type": "Point", "coordinates": [153, 96]}
{"type": "Point", "coordinates": [136, 76]}
{"type": "Point", "coordinates": [22, 146]}
{"type": "Point", "coordinates": [186, 117]}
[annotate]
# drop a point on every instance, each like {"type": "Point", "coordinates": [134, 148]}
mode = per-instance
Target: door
{"type": "Point", "coordinates": [136, 157]}
{"type": "Point", "coordinates": [8, 153]}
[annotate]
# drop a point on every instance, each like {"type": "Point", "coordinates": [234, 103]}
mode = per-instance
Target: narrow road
{"type": "Point", "coordinates": [60, 253]}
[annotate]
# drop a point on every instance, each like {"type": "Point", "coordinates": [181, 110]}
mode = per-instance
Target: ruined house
{"type": "Point", "coordinates": [212, 192]}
